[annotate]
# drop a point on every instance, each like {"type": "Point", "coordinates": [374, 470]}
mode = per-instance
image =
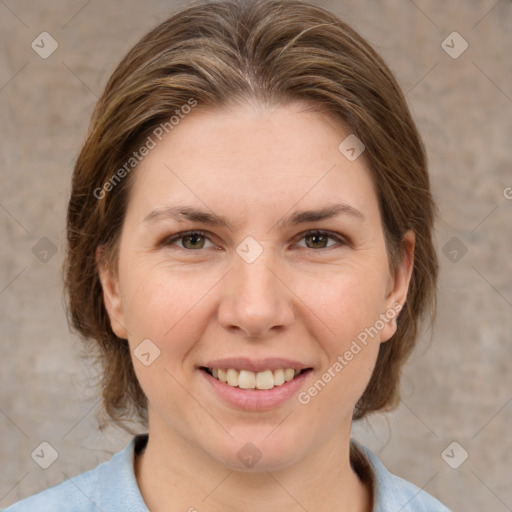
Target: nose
{"type": "Point", "coordinates": [256, 300]}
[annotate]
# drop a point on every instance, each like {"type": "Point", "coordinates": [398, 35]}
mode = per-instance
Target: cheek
{"type": "Point", "coordinates": [349, 304]}
{"type": "Point", "coordinates": [164, 305]}
{"type": "Point", "coordinates": [349, 307]}
{"type": "Point", "coordinates": [347, 300]}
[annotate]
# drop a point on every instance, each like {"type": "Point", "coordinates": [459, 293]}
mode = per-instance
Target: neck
{"type": "Point", "coordinates": [173, 476]}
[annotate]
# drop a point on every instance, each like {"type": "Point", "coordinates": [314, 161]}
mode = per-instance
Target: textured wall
{"type": "Point", "coordinates": [458, 388]}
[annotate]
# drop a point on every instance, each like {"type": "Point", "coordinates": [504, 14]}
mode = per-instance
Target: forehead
{"type": "Point", "coordinates": [253, 159]}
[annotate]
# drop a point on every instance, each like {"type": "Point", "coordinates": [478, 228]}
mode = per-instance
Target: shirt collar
{"type": "Point", "coordinates": [119, 476]}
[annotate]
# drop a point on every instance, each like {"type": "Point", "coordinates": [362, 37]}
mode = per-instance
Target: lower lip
{"type": "Point", "coordinates": [256, 399]}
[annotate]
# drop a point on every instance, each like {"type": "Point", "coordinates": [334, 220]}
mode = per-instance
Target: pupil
{"type": "Point", "coordinates": [193, 238]}
{"type": "Point", "coordinates": [315, 239]}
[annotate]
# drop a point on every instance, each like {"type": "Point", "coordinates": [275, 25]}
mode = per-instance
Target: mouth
{"type": "Point", "coordinates": [249, 380]}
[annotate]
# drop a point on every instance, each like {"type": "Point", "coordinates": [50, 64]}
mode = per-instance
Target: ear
{"type": "Point", "coordinates": [398, 286]}
{"type": "Point", "coordinates": [111, 295]}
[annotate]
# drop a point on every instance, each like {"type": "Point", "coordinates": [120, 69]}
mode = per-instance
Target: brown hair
{"type": "Point", "coordinates": [216, 54]}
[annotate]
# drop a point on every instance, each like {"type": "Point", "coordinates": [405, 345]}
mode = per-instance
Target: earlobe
{"type": "Point", "coordinates": [399, 286]}
{"type": "Point", "coordinates": [111, 295]}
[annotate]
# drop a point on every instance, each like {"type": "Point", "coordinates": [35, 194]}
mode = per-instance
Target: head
{"type": "Point", "coordinates": [243, 109]}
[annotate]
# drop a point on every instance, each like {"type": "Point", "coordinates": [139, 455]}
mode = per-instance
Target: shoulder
{"type": "Point", "coordinates": [392, 493]}
{"type": "Point", "coordinates": [111, 486]}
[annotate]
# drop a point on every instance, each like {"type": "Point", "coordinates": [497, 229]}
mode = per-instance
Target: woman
{"type": "Point", "coordinates": [250, 249]}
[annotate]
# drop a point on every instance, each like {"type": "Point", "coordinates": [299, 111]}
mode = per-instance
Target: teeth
{"type": "Point", "coordinates": [232, 376]}
{"type": "Point", "coordinates": [265, 380]}
{"type": "Point", "coordinates": [289, 373]}
{"type": "Point", "coordinates": [279, 377]}
{"type": "Point", "coordinates": [246, 379]}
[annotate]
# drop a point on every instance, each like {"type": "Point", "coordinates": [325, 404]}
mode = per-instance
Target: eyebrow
{"type": "Point", "coordinates": [184, 213]}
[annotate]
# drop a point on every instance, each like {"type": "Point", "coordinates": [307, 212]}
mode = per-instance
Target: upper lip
{"type": "Point", "coordinates": [256, 365]}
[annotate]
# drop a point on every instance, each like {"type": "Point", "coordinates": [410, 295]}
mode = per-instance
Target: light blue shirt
{"type": "Point", "coordinates": [112, 487]}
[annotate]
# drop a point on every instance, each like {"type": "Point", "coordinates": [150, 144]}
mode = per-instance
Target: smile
{"type": "Point", "coordinates": [246, 379]}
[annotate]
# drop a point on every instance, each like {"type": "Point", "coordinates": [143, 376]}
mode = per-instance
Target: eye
{"type": "Point", "coordinates": [318, 239]}
{"type": "Point", "coordinates": [190, 240]}
{"type": "Point", "coordinates": [194, 240]}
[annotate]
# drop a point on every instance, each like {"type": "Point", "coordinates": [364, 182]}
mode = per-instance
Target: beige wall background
{"type": "Point", "coordinates": [457, 388]}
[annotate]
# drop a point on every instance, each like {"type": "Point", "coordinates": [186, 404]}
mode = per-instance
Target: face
{"type": "Point", "coordinates": [285, 269]}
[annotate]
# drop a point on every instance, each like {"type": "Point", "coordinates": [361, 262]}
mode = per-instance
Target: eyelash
{"type": "Point", "coordinates": [329, 234]}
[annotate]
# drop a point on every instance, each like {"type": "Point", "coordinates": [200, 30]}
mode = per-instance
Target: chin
{"type": "Point", "coordinates": [257, 453]}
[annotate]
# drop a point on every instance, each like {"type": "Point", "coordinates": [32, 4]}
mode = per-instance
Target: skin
{"type": "Point", "coordinates": [198, 300]}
